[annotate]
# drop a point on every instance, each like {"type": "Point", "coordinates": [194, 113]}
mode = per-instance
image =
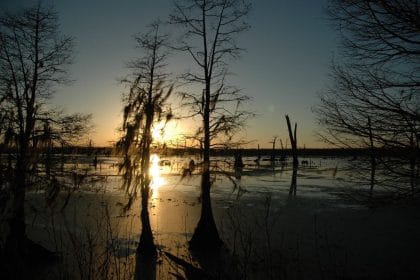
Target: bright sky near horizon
{"type": "Point", "coordinates": [288, 50]}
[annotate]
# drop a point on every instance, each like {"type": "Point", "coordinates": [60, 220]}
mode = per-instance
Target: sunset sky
{"type": "Point", "coordinates": [285, 66]}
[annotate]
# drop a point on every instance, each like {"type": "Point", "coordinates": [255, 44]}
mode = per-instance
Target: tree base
{"type": "Point", "coordinates": [146, 265]}
{"type": "Point", "coordinates": [147, 250]}
{"type": "Point", "coordinates": [205, 238]}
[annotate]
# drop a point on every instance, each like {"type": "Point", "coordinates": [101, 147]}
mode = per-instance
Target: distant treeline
{"type": "Point", "coordinates": [327, 152]}
{"type": "Point", "coordinates": [277, 153]}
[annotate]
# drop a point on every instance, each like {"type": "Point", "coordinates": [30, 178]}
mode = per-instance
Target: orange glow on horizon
{"type": "Point", "coordinates": [166, 133]}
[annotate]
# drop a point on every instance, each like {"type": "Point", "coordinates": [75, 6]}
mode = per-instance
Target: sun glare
{"type": "Point", "coordinates": [162, 133]}
{"type": "Point", "coordinates": [157, 132]}
{"type": "Point", "coordinates": [157, 179]}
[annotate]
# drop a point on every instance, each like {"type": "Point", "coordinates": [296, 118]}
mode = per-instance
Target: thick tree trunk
{"type": "Point", "coordinates": [293, 142]}
{"type": "Point", "coordinates": [372, 174]}
{"type": "Point", "coordinates": [17, 234]}
{"type": "Point", "coordinates": [205, 234]}
{"type": "Point", "coordinates": [145, 267]}
{"type": "Point", "coordinates": [17, 219]}
{"type": "Point", "coordinates": [146, 245]}
{"type": "Point", "coordinates": [293, 185]}
{"type": "Point", "coordinates": [372, 158]}
{"type": "Point", "coordinates": [413, 159]}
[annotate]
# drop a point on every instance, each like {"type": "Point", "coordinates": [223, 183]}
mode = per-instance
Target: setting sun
{"type": "Point", "coordinates": [163, 133]}
{"type": "Point", "coordinates": [157, 132]}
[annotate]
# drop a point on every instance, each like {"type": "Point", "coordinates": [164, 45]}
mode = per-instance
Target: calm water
{"type": "Point", "coordinates": [93, 225]}
{"type": "Point", "coordinates": [319, 178]}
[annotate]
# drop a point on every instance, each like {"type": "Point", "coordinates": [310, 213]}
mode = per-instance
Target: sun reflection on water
{"type": "Point", "coordinates": [155, 173]}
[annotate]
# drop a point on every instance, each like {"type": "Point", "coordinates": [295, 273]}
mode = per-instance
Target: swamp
{"type": "Point", "coordinates": [329, 227]}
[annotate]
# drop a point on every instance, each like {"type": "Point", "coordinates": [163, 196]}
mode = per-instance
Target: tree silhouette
{"type": "Point", "coordinates": [209, 28]}
{"type": "Point", "coordinates": [33, 60]}
{"type": "Point", "coordinates": [377, 75]}
{"type": "Point", "coordinates": [144, 105]}
{"type": "Point", "coordinates": [293, 142]}
{"type": "Point", "coordinates": [374, 99]}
